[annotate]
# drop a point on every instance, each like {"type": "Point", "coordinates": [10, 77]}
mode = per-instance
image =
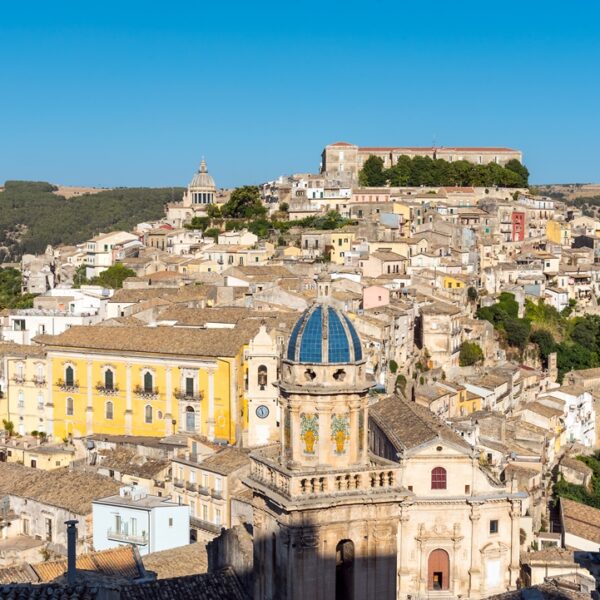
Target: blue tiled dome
{"type": "Point", "coordinates": [323, 334]}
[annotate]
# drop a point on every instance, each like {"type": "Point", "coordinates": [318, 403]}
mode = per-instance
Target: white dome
{"type": "Point", "coordinates": [202, 179]}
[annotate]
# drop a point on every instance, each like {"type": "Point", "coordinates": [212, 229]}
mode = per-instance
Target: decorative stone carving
{"type": "Point", "coordinates": [309, 431]}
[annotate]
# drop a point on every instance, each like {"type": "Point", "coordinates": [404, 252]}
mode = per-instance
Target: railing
{"type": "Point", "coordinates": [183, 395]}
{"type": "Point", "coordinates": [147, 394]}
{"type": "Point", "coordinates": [178, 483]}
{"type": "Point", "coordinates": [120, 536]}
{"type": "Point", "coordinates": [18, 378]}
{"type": "Point", "coordinates": [64, 386]}
{"type": "Point", "coordinates": [107, 390]}
{"type": "Point", "coordinates": [218, 494]}
{"type": "Point", "coordinates": [39, 380]}
{"type": "Point", "coordinates": [190, 487]}
{"type": "Point", "coordinates": [203, 490]}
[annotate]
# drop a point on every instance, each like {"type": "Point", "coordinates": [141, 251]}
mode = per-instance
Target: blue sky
{"type": "Point", "coordinates": [134, 93]}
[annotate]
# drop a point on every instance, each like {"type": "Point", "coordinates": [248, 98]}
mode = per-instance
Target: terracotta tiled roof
{"type": "Point", "coordinates": [581, 520]}
{"type": "Point", "coordinates": [210, 586]}
{"type": "Point", "coordinates": [408, 425]}
{"type": "Point", "coordinates": [155, 340]}
{"type": "Point", "coordinates": [72, 490]}
{"type": "Point", "coordinates": [177, 562]}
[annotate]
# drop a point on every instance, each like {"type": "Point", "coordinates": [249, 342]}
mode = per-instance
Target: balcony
{"type": "Point", "coordinates": [64, 386]}
{"type": "Point", "coordinates": [146, 393]}
{"type": "Point", "coordinates": [120, 536]}
{"type": "Point", "coordinates": [39, 380]}
{"type": "Point", "coordinates": [107, 391]}
{"type": "Point", "coordinates": [206, 525]}
{"type": "Point", "coordinates": [179, 483]}
{"type": "Point", "coordinates": [18, 379]}
{"type": "Point", "coordinates": [218, 494]}
{"type": "Point", "coordinates": [190, 487]}
{"type": "Point", "coordinates": [186, 396]}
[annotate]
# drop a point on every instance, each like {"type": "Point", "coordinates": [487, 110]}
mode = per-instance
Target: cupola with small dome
{"type": "Point", "coordinates": [202, 188]}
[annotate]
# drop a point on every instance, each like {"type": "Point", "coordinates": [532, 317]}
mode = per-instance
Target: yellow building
{"type": "Point", "coordinates": [341, 243]}
{"type": "Point", "coordinates": [558, 232]}
{"type": "Point", "coordinates": [151, 381]}
{"type": "Point", "coordinates": [452, 283]}
{"type": "Point", "coordinates": [406, 211]}
{"type": "Point", "coordinates": [23, 402]}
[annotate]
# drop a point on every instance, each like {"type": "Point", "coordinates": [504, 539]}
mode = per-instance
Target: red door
{"type": "Point", "coordinates": [438, 570]}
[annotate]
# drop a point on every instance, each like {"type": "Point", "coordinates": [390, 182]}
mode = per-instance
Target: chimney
{"type": "Point", "coordinates": [71, 551]}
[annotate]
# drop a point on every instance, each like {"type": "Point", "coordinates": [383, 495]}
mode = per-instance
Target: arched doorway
{"type": "Point", "coordinates": [344, 570]}
{"type": "Point", "coordinates": [438, 577]}
{"type": "Point", "coordinates": [190, 419]}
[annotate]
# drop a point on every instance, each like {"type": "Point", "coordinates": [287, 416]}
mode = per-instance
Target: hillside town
{"type": "Point", "coordinates": [337, 384]}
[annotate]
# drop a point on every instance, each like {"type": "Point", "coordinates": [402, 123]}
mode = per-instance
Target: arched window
{"type": "Point", "coordinates": [109, 410]}
{"type": "Point", "coordinates": [148, 414]}
{"type": "Point", "coordinates": [148, 382]}
{"type": "Point", "coordinates": [438, 478]}
{"type": "Point", "coordinates": [344, 570]}
{"type": "Point", "coordinates": [69, 376]}
{"type": "Point", "coordinates": [69, 407]}
{"type": "Point", "coordinates": [262, 377]}
{"type": "Point", "coordinates": [109, 379]}
{"type": "Point", "coordinates": [438, 571]}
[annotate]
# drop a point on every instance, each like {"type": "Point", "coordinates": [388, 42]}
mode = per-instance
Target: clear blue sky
{"type": "Point", "coordinates": [134, 93]}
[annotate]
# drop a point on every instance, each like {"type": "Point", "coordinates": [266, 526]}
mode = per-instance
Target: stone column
{"type": "Point", "coordinates": [211, 404]}
{"type": "Point", "coordinates": [515, 546]}
{"type": "Point", "coordinates": [475, 570]}
{"type": "Point", "coordinates": [402, 555]}
{"type": "Point", "coordinates": [89, 411]}
{"type": "Point", "coordinates": [295, 432]}
{"type": "Point", "coordinates": [354, 442]}
{"type": "Point", "coordinates": [128, 402]}
{"type": "Point", "coordinates": [169, 401]}
{"type": "Point", "coordinates": [49, 408]}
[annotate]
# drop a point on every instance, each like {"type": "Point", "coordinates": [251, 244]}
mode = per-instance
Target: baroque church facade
{"type": "Point", "coordinates": [370, 501]}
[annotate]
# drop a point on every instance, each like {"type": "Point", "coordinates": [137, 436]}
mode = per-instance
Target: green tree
{"type": "Point", "coordinates": [545, 343]}
{"type": "Point", "coordinates": [212, 232]}
{"type": "Point", "coordinates": [213, 211]}
{"type": "Point", "coordinates": [517, 332]}
{"type": "Point", "coordinates": [470, 354]}
{"type": "Point", "coordinates": [393, 365]}
{"type": "Point", "coordinates": [244, 203]}
{"type": "Point", "coordinates": [284, 207]}
{"type": "Point", "coordinates": [113, 277]}
{"type": "Point", "coordinates": [520, 170]}
{"type": "Point", "coordinates": [199, 223]}
{"type": "Point", "coordinates": [79, 277]}
{"type": "Point", "coordinates": [372, 173]}
{"type": "Point", "coordinates": [9, 427]}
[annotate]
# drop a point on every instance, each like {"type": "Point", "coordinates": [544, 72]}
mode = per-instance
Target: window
{"type": "Point", "coordinates": [467, 490]}
{"type": "Point", "coordinates": [170, 521]}
{"type": "Point", "coordinates": [25, 523]}
{"type": "Point", "coordinates": [262, 377]}
{"type": "Point", "coordinates": [205, 512]}
{"type": "Point", "coordinates": [40, 402]}
{"type": "Point", "coordinates": [109, 410]}
{"type": "Point", "coordinates": [21, 399]}
{"type": "Point", "coordinates": [148, 382]}
{"type": "Point", "coordinates": [48, 529]}
{"type": "Point", "coordinates": [217, 516]}
{"type": "Point", "coordinates": [494, 526]}
{"type": "Point", "coordinates": [218, 484]}
{"type": "Point", "coordinates": [108, 379]}
{"type": "Point", "coordinates": [438, 478]}
{"type": "Point", "coordinates": [69, 376]}
{"type": "Point", "coordinates": [69, 407]}
{"type": "Point", "coordinates": [189, 386]}
{"type": "Point", "coordinates": [19, 325]}
{"type": "Point", "coordinates": [148, 414]}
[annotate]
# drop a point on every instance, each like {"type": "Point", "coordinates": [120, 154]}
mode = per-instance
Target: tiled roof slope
{"type": "Point", "coordinates": [408, 425]}
{"type": "Point", "coordinates": [72, 490]}
{"type": "Point", "coordinates": [580, 519]}
{"type": "Point", "coordinates": [210, 586]}
{"type": "Point", "coordinates": [177, 562]}
{"type": "Point", "coordinates": [155, 340]}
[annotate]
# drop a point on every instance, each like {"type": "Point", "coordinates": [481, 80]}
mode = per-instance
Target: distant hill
{"type": "Point", "coordinates": [33, 214]}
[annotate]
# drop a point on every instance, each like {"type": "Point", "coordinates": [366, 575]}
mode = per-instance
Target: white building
{"type": "Point", "coordinates": [106, 249]}
{"type": "Point", "coordinates": [579, 414]}
{"type": "Point", "coordinates": [151, 523]}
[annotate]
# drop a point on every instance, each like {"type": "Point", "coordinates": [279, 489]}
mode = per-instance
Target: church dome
{"type": "Point", "coordinates": [202, 179]}
{"type": "Point", "coordinates": [324, 335]}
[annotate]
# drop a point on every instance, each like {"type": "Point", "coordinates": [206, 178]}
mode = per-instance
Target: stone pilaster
{"type": "Point", "coordinates": [128, 400]}
{"type": "Point", "coordinates": [169, 401]}
{"type": "Point", "coordinates": [211, 404]}
{"type": "Point", "coordinates": [89, 411]}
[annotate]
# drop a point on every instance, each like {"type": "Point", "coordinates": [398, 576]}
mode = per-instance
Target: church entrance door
{"type": "Point", "coordinates": [439, 570]}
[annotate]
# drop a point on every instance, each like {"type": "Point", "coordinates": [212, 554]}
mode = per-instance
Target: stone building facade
{"type": "Point", "coordinates": [345, 160]}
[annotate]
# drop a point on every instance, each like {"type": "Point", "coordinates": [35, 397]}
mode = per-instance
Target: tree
{"type": "Point", "coordinates": [244, 203]}
{"type": "Point", "coordinates": [284, 207]}
{"type": "Point", "coordinates": [470, 354]}
{"type": "Point", "coordinates": [517, 332]}
{"type": "Point", "coordinates": [199, 223]}
{"type": "Point", "coordinates": [372, 173]}
{"type": "Point", "coordinates": [113, 277]}
{"type": "Point", "coordinates": [393, 365]}
{"type": "Point", "coordinates": [520, 170]}
{"type": "Point", "coordinates": [545, 343]}
{"type": "Point", "coordinates": [212, 232]}
{"type": "Point", "coordinates": [213, 211]}
{"type": "Point", "coordinates": [9, 427]}
{"type": "Point", "coordinates": [79, 277]}
{"type": "Point", "coordinates": [472, 294]}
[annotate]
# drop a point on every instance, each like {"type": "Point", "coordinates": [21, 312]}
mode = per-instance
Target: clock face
{"type": "Point", "coordinates": [262, 411]}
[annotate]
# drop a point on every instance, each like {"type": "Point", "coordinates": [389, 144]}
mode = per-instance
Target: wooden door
{"type": "Point", "coordinates": [438, 570]}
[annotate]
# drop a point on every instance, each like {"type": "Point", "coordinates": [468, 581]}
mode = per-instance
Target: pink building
{"type": "Point", "coordinates": [375, 296]}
